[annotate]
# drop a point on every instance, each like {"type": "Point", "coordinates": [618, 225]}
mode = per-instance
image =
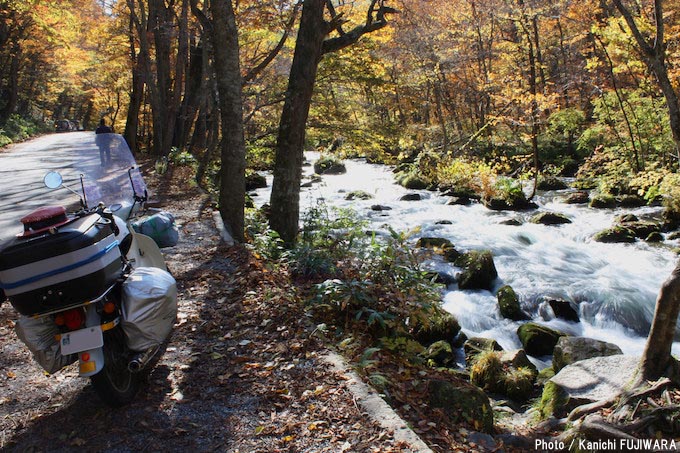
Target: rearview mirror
{"type": "Point", "coordinates": [53, 180]}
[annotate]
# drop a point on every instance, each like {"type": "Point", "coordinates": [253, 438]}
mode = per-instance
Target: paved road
{"type": "Point", "coordinates": [23, 166]}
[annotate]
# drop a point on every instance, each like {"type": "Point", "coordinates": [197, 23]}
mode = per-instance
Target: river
{"type": "Point", "coordinates": [614, 285]}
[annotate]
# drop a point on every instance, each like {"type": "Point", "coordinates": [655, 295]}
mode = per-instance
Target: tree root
{"type": "Point", "coordinates": [595, 426]}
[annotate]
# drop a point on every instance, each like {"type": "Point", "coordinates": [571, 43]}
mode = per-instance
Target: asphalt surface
{"type": "Point", "coordinates": [23, 167]}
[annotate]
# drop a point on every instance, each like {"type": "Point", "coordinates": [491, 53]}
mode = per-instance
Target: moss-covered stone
{"type": "Point", "coordinates": [544, 375]}
{"type": "Point", "coordinates": [654, 237]}
{"type": "Point", "coordinates": [479, 270]}
{"type": "Point", "coordinates": [642, 229]}
{"type": "Point", "coordinates": [518, 383]}
{"type": "Point", "coordinates": [462, 402]}
{"type": "Point", "coordinates": [537, 339]}
{"type": "Point", "coordinates": [493, 373]}
{"type": "Point", "coordinates": [603, 201]}
{"type": "Point", "coordinates": [358, 195]}
{"type": "Point", "coordinates": [551, 183]}
{"type": "Point", "coordinates": [476, 345]}
{"type": "Point", "coordinates": [255, 181]}
{"type": "Point", "coordinates": [615, 234]}
{"type": "Point", "coordinates": [569, 350]}
{"type": "Point", "coordinates": [550, 218]}
{"type": "Point", "coordinates": [441, 325]}
{"type": "Point", "coordinates": [329, 165]}
{"type": "Point", "coordinates": [580, 197]}
{"type": "Point", "coordinates": [434, 242]}
{"type": "Point", "coordinates": [411, 197]}
{"type": "Point", "coordinates": [439, 353]}
{"type": "Point", "coordinates": [631, 201]}
{"type": "Point", "coordinates": [508, 303]}
{"type": "Point", "coordinates": [553, 401]}
{"type": "Point", "coordinates": [411, 181]}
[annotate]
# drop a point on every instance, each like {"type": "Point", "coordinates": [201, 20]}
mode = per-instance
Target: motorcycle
{"type": "Point", "coordinates": [87, 286]}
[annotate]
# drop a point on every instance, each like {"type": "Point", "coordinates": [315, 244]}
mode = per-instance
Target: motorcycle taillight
{"type": "Point", "coordinates": [71, 319]}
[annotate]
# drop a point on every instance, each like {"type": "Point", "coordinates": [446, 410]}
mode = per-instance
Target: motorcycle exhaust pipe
{"type": "Point", "coordinates": [142, 359]}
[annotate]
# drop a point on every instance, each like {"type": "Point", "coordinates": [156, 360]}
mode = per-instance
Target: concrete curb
{"type": "Point", "coordinates": [374, 406]}
{"type": "Point", "coordinates": [224, 234]}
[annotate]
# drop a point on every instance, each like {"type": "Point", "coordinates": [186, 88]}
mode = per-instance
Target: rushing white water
{"type": "Point", "coordinates": [614, 285]}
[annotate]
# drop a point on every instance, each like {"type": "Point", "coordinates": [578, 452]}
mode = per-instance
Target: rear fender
{"type": "Point", "coordinates": [144, 252]}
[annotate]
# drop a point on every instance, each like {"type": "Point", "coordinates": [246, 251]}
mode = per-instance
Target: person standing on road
{"type": "Point", "coordinates": [103, 142]}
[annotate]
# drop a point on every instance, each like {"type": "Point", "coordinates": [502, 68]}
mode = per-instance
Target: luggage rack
{"type": "Point", "coordinates": [69, 307]}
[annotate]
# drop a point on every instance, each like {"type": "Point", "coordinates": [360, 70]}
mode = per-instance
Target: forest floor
{"type": "Point", "coordinates": [242, 371]}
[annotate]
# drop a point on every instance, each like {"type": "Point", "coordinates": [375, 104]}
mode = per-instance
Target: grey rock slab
{"type": "Point", "coordinates": [597, 379]}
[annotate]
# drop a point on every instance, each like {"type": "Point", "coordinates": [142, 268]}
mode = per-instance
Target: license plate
{"type": "Point", "coordinates": [81, 340]}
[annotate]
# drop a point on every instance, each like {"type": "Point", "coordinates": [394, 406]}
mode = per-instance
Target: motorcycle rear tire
{"type": "Point", "coordinates": [115, 384]}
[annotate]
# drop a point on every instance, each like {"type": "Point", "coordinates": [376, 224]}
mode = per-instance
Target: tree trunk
{"type": "Point", "coordinates": [285, 198]}
{"type": "Point", "coordinates": [657, 358]}
{"type": "Point", "coordinates": [136, 95]}
{"type": "Point", "coordinates": [228, 76]}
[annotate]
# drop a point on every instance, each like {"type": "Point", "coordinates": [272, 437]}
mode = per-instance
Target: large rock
{"type": "Point", "coordinates": [587, 381]}
{"type": "Point", "coordinates": [564, 310]}
{"type": "Point", "coordinates": [631, 201]}
{"type": "Point", "coordinates": [411, 181]}
{"type": "Point", "coordinates": [642, 229]}
{"type": "Point", "coordinates": [550, 218]}
{"type": "Point", "coordinates": [580, 197]}
{"type": "Point", "coordinates": [475, 345]}
{"type": "Point", "coordinates": [603, 202]}
{"type": "Point", "coordinates": [518, 359]}
{"type": "Point", "coordinates": [508, 303]}
{"type": "Point", "coordinates": [537, 339]}
{"type": "Point", "coordinates": [569, 350]}
{"type": "Point", "coordinates": [479, 270]}
{"type": "Point", "coordinates": [255, 181]}
{"type": "Point", "coordinates": [516, 204]}
{"type": "Point", "coordinates": [461, 402]}
{"type": "Point", "coordinates": [440, 353]}
{"type": "Point", "coordinates": [551, 183]}
{"type": "Point", "coordinates": [434, 242]}
{"type": "Point", "coordinates": [615, 234]}
{"type": "Point", "coordinates": [411, 197]}
{"type": "Point", "coordinates": [329, 165]}
{"type": "Point", "coordinates": [358, 195]}
{"type": "Point", "coordinates": [441, 325]}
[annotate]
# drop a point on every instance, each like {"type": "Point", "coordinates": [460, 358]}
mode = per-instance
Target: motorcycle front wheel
{"type": "Point", "coordinates": [115, 384]}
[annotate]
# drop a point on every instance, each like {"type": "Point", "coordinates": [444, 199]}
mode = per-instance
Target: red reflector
{"type": "Point", "coordinates": [85, 357]}
{"type": "Point", "coordinates": [74, 319]}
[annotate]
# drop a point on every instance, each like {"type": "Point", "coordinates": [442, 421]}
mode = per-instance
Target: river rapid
{"type": "Point", "coordinates": [614, 286]}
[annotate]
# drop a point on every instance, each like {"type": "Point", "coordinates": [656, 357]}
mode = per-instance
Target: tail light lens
{"type": "Point", "coordinates": [72, 319]}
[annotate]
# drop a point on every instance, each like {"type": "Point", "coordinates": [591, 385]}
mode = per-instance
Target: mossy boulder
{"type": "Point", "coordinates": [615, 234]}
{"type": "Point", "coordinates": [329, 165]}
{"type": "Point", "coordinates": [551, 183]}
{"type": "Point", "coordinates": [550, 218]}
{"type": "Point", "coordinates": [492, 373]}
{"type": "Point", "coordinates": [439, 353]}
{"type": "Point", "coordinates": [515, 203]}
{"type": "Point", "coordinates": [642, 229]}
{"type": "Point", "coordinates": [508, 303]}
{"type": "Point", "coordinates": [654, 237]}
{"type": "Point", "coordinates": [631, 201]}
{"type": "Point", "coordinates": [411, 197]}
{"type": "Point", "coordinates": [461, 402]}
{"type": "Point", "coordinates": [537, 339]}
{"type": "Point", "coordinates": [580, 197]}
{"type": "Point", "coordinates": [569, 350]}
{"type": "Point", "coordinates": [434, 243]}
{"type": "Point", "coordinates": [476, 345]}
{"type": "Point", "coordinates": [511, 222]}
{"type": "Point", "coordinates": [411, 181]}
{"type": "Point", "coordinates": [255, 181]}
{"type": "Point", "coordinates": [441, 325]}
{"type": "Point", "coordinates": [563, 309]}
{"type": "Point", "coordinates": [479, 270]}
{"type": "Point", "coordinates": [553, 401]}
{"type": "Point", "coordinates": [358, 195]}
{"type": "Point", "coordinates": [603, 202]}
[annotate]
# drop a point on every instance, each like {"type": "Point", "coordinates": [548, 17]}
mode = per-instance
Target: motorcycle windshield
{"type": "Point", "coordinates": [110, 173]}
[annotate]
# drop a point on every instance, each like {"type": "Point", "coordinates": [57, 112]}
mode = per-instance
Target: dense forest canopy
{"type": "Point", "coordinates": [518, 83]}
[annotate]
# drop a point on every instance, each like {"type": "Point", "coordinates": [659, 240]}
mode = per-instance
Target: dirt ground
{"type": "Point", "coordinates": [240, 374]}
